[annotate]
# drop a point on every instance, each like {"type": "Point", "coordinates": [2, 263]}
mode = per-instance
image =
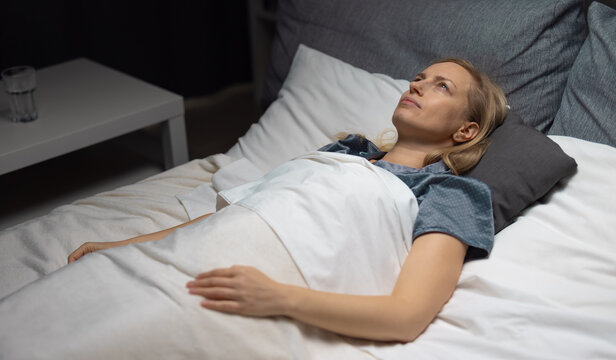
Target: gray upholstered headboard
{"type": "Point", "coordinates": [610, 3]}
{"type": "Point", "coordinates": [527, 46]}
{"type": "Point", "coordinates": [587, 109]}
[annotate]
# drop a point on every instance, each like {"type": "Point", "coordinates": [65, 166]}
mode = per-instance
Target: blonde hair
{"type": "Point", "coordinates": [487, 107]}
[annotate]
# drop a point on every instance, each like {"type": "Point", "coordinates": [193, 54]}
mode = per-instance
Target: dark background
{"type": "Point", "coordinates": [198, 49]}
{"type": "Point", "coordinates": [188, 47]}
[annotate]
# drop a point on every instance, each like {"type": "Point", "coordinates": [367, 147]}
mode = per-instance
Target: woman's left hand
{"type": "Point", "coordinates": [240, 290]}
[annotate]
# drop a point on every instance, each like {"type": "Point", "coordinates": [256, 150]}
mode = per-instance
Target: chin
{"type": "Point", "coordinates": [401, 117]}
{"type": "Point", "coordinates": [398, 116]}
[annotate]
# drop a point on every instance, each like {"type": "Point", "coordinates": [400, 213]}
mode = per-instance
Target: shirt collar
{"type": "Point", "coordinates": [437, 167]}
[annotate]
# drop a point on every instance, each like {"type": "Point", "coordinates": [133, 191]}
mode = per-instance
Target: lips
{"type": "Point", "coordinates": [410, 101]}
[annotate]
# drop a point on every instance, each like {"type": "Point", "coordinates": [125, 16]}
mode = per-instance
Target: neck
{"type": "Point", "coordinates": [407, 155]}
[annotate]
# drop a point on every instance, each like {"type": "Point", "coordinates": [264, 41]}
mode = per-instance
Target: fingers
{"type": "Point", "coordinates": [75, 255]}
{"type": "Point", "coordinates": [211, 282]}
{"type": "Point", "coordinates": [218, 288]}
{"type": "Point", "coordinates": [239, 289]}
{"type": "Point", "coordinates": [87, 248]}
{"type": "Point", "coordinates": [214, 287]}
{"type": "Point", "coordinates": [215, 293]}
{"type": "Point", "coordinates": [232, 307]}
{"type": "Point", "coordinates": [224, 272]}
{"type": "Point", "coordinates": [218, 284]}
{"type": "Point", "coordinates": [223, 299]}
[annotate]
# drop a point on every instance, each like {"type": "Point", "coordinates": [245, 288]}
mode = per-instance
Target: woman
{"type": "Point", "coordinates": [443, 118]}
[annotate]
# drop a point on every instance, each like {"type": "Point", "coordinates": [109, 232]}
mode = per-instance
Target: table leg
{"type": "Point", "coordinates": [175, 147]}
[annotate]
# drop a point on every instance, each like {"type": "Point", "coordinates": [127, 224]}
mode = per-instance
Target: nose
{"type": "Point", "coordinates": [416, 87]}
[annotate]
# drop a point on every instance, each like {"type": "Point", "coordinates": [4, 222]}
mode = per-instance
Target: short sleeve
{"type": "Point", "coordinates": [460, 207]}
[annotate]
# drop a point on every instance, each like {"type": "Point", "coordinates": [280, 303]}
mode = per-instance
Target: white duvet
{"type": "Point", "coordinates": [346, 223]}
{"type": "Point", "coordinates": [548, 290]}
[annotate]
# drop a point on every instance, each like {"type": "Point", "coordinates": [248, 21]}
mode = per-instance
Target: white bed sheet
{"type": "Point", "coordinates": [131, 302]}
{"type": "Point", "coordinates": [317, 205]}
{"type": "Point", "coordinates": [548, 291]}
{"type": "Point", "coordinates": [37, 247]}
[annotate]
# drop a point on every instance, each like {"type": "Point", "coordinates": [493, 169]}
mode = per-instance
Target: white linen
{"type": "Point", "coordinates": [546, 292]}
{"type": "Point", "coordinates": [234, 174]}
{"type": "Point", "coordinates": [552, 278]}
{"type": "Point", "coordinates": [202, 200]}
{"type": "Point", "coordinates": [346, 223]}
{"type": "Point", "coordinates": [37, 247]}
{"type": "Point", "coordinates": [321, 97]}
{"type": "Point", "coordinates": [131, 302]}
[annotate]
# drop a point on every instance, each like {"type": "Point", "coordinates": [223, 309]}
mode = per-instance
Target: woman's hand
{"type": "Point", "coordinates": [90, 247]}
{"type": "Point", "coordinates": [240, 290]}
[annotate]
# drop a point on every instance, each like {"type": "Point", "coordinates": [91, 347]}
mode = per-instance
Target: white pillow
{"type": "Point", "coordinates": [321, 97]}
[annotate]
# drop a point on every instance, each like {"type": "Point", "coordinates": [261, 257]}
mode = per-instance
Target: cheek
{"type": "Point", "coordinates": [453, 110]}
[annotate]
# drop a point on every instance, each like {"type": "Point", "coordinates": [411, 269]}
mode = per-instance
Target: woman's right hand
{"type": "Point", "coordinates": [90, 247]}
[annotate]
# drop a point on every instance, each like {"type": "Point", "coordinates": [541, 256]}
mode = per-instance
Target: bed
{"type": "Point", "coordinates": [548, 289]}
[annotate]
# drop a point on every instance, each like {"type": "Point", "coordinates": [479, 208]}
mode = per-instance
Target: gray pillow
{"type": "Point", "coordinates": [588, 109]}
{"type": "Point", "coordinates": [527, 46]}
{"type": "Point", "coordinates": [520, 166]}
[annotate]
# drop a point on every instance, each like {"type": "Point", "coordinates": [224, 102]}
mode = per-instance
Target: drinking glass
{"type": "Point", "coordinates": [20, 83]}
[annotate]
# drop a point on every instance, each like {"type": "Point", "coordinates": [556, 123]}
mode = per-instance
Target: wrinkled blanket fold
{"type": "Point", "coordinates": [547, 291]}
{"type": "Point", "coordinates": [346, 223]}
{"type": "Point", "coordinates": [131, 302]}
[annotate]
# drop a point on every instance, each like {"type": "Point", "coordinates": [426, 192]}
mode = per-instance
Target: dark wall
{"type": "Point", "coordinates": [610, 3]}
{"type": "Point", "coordinates": [188, 47]}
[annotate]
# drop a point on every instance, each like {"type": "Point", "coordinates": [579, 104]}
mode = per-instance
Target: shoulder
{"type": "Point", "coordinates": [460, 207]}
{"type": "Point", "coordinates": [443, 184]}
{"type": "Point", "coordinates": [465, 183]}
{"type": "Point", "coordinates": [453, 189]}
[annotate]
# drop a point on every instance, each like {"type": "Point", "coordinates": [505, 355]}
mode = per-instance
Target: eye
{"type": "Point", "coordinates": [443, 86]}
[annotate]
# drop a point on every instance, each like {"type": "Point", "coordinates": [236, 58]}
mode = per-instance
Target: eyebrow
{"type": "Point", "coordinates": [437, 78]}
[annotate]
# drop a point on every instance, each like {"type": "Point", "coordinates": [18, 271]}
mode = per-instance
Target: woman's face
{"type": "Point", "coordinates": [434, 108]}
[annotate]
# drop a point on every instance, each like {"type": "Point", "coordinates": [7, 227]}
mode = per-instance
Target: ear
{"type": "Point", "coordinates": [467, 132]}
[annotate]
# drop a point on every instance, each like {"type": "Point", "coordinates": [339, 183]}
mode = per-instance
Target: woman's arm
{"type": "Point", "coordinates": [161, 234]}
{"type": "Point", "coordinates": [95, 246]}
{"type": "Point", "coordinates": [426, 282]}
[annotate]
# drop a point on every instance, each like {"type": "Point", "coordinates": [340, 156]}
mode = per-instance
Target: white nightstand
{"type": "Point", "coordinates": [81, 103]}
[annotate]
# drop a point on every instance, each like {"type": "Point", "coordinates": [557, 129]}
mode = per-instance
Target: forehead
{"type": "Point", "coordinates": [454, 72]}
